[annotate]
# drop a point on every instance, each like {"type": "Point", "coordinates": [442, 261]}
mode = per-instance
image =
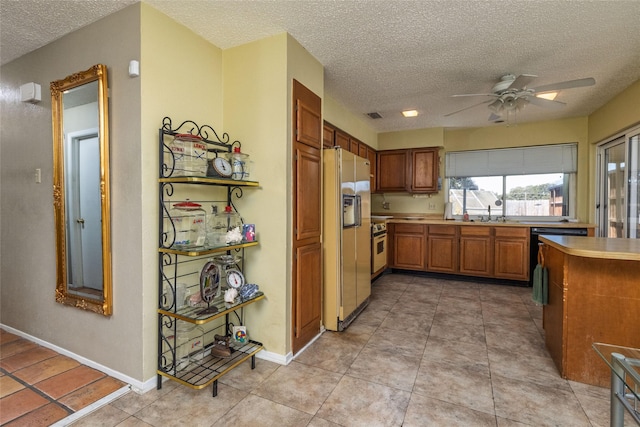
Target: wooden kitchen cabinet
{"type": "Point", "coordinates": [424, 170]}
{"type": "Point", "coordinates": [411, 170]}
{"type": "Point", "coordinates": [392, 172]}
{"type": "Point", "coordinates": [476, 250]}
{"type": "Point", "coordinates": [442, 248]}
{"type": "Point", "coordinates": [511, 253]}
{"type": "Point", "coordinates": [354, 146]}
{"type": "Point", "coordinates": [408, 248]}
{"type": "Point", "coordinates": [328, 136]}
{"type": "Point", "coordinates": [371, 155]}
{"type": "Point", "coordinates": [362, 150]}
{"type": "Point", "coordinates": [341, 140]}
{"type": "Point", "coordinates": [593, 297]}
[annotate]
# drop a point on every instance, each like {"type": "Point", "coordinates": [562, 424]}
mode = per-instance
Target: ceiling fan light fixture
{"type": "Point", "coordinates": [410, 113]}
{"type": "Point", "coordinates": [496, 106]}
{"type": "Point", "coordinates": [521, 102]}
{"type": "Point", "coordinates": [547, 95]}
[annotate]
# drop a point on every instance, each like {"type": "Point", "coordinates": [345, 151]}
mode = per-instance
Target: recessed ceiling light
{"type": "Point", "coordinates": [549, 95]}
{"type": "Point", "coordinates": [410, 113]}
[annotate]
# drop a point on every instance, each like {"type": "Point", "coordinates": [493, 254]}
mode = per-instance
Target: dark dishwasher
{"type": "Point", "coordinates": [553, 231]}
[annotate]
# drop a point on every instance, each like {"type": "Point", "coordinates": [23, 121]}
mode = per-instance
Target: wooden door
{"type": "Point", "coordinates": [392, 170]}
{"type": "Point", "coordinates": [424, 165]}
{"type": "Point", "coordinates": [307, 218]}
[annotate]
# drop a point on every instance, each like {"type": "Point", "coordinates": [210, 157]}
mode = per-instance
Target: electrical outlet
{"type": "Point", "coordinates": [432, 206]}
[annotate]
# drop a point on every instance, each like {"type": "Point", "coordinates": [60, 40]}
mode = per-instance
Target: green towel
{"type": "Point", "coordinates": [540, 285]}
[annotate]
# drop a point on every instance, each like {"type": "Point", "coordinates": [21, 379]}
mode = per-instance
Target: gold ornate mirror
{"type": "Point", "coordinates": [80, 112]}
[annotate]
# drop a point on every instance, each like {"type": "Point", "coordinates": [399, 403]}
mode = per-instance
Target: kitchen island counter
{"type": "Point", "coordinates": [594, 296]}
{"type": "Point", "coordinates": [595, 247]}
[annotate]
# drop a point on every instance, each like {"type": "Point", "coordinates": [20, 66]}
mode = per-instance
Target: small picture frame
{"type": "Point", "coordinates": [249, 232]}
{"type": "Point", "coordinates": [240, 334]}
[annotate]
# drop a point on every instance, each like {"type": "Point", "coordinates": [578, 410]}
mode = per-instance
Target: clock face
{"type": "Point", "coordinates": [222, 167]}
{"type": "Point", "coordinates": [235, 279]}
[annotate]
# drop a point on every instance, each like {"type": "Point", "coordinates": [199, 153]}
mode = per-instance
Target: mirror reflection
{"type": "Point", "coordinates": [81, 190]}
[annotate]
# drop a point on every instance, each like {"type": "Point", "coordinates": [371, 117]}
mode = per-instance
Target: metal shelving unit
{"type": "Point", "coordinates": [188, 360]}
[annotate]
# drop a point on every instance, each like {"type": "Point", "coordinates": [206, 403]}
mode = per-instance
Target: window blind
{"type": "Point", "coordinates": [513, 161]}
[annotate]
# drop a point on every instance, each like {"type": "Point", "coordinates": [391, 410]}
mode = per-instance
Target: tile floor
{"type": "Point", "coordinates": [39, 387]}
{"type": "Point", "coordinates": [426, 352]}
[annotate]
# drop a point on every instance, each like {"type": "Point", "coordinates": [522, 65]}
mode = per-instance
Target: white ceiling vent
{"type": "Point", "coordinates": [374, 115]}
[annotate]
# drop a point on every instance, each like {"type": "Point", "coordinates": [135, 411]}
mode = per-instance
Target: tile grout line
{"type": "Point", "coordinates": [36, 390]}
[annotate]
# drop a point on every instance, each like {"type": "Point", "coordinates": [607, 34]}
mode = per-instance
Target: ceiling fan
{"type": "Point", "coordinates": [512, 93]}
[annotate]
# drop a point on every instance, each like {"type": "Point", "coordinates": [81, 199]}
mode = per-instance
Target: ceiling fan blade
{"type": "Point", "coordinates": [522, 81]}
{"type": "Point", "coordinates": [545, 103]}
{"type": "Point", "coordinates": [469, 107]}
{"type": "Point", "coordinates": [473, 94]}
{"type": "Point", "coordinates": [569, 84]}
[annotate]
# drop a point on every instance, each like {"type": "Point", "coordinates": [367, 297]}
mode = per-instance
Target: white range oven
{"type": "Point", "coordinates": [378, 247]}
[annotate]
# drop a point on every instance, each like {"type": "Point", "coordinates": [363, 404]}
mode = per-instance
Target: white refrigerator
{"type": "Point", "coordinates": [346, 237]}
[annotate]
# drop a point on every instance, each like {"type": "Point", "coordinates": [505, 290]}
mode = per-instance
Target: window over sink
{"type": "Point", "coordinates": [537, 183]}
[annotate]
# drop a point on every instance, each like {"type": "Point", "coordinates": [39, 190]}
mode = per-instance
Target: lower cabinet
{"type": "Point", "coordinates": [511, 253]}
{"type": "Point", "coordinates": [500, 252]}
{"type": "Point", "coordinates": [476, 250]}
{"type": "Point", "coordinates": [408, 246]}
{"type": "Point", "coordinates": [442, 248]}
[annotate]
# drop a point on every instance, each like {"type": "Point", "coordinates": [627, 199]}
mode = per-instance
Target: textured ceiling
{"type": "Point", "coordinates": [386, 56]}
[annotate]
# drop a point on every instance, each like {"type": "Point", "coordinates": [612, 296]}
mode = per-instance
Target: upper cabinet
{"type": "Point", "coordinates": [328, 136]}
{"type": "Point", "coordinates": [424, 166]}
{"type": "Point", "coordinates": [334, 137]}
{"type": "Point", "coordinates": [342, 140]}
{"type": "Point", "coordinates": [392, 173]}
{"type": "Point", "coordinates": [408, 170]}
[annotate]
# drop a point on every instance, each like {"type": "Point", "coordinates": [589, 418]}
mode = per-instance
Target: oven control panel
{"type": "Point", "coordinates": [378, 228]}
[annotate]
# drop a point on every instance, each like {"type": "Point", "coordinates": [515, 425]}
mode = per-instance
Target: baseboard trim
{"type": "Point", "coordinates": [136, 385]}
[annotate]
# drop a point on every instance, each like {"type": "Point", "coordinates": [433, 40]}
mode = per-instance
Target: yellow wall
{"type": "Point", "coordinates": [431, 137]}
{"type": "Point", "coordinates": [521, 135]}
{"type": "Point", "coordinates": [181, 77]}
{"type": "Point", "coordinates": [257, 109]}
{"type": "Point", "coordinates": [336, 114]}
{"type": "Point", "coordinates": [622, 112]}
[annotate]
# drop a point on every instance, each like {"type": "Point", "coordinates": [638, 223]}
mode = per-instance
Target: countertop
{"type": "Point", "coordinates": [595, 247]}
{"type": "Point", "coordinates": [437, 220]}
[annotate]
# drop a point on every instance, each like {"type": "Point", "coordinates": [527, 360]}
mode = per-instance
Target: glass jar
{"type": "Point", "coordinates": [189, 222]}
{"type": "Point", "coordinates": [239, 164]}
{"type": "Point", "coordinates": [190, 155]}
{"type": "Point", "coordinates": [221, 224]}
{"type": "Point", "coordinates": [189, 344]}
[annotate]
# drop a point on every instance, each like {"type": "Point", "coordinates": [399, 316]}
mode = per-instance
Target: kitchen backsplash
{"type": "Point", "coordinates": [408, 203]}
